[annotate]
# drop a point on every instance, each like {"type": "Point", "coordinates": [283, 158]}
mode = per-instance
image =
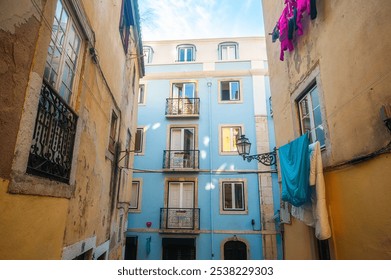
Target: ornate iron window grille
{"type": "Point", "coordinates": [54, 136]}
{"type": "Point", "coordinates": [182, 106]}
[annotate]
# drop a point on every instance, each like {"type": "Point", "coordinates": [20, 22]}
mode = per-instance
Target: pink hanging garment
{"type": "Point", "coordinates": [283, 25]}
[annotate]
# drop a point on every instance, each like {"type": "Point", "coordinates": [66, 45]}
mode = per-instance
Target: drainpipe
{"type": "Point", "coordinates": [209, 84]}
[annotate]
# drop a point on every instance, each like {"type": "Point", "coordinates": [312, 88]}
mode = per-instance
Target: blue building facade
{"type": "Point", "coordinates": [193, 196]}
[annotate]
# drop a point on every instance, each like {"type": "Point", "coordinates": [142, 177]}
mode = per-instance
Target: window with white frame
{"type": "Point", "coordinates": [229, 91]}
{"type": "Point", "coordinates": [148, 54]}
{"type": "Point", "coordinates": [135, 196]}
{"type": "Point", "coordinates": [311, 116]}
{"type": "Point", "coordinates": [228, 51]}
{"type": "Point", "coordinates": [141, 95]}
{"type": "Point", "coordinates": [184, 90]}
{"type": "Point", "coordinates": [228, 137]}
{"type": "Point", "coordinates": [138, 147]}
{"type": "Point", "coordinates": [63, 53]}
{"type": "Point", "coordinates": [233, 194]}
{"type": "Point", "coordinates": [186, 53]}
{"type": "Point", "coordinates": [180, 195]}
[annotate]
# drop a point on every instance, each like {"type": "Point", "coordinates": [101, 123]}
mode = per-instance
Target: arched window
{"type": "Point", "coordinates": [186, 52]}
{"type": "Point", "coordinates": [228, 51]}
{"type": "Point", "coordinates": [148, 54]}
{"type": "Point", "coordinates": [235, 250]}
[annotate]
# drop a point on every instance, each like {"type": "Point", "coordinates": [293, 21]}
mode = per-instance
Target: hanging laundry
{"type": "Point", "coordinates": [275, 34]}
{"type": "Point", "coordinates": [290, 23]}
{"type": "Point", "coordinates": [292, 18]}
{"type": "Point", "coordinates": [283, 26]}
{"type": "Point", "coordinates": [322, 225]}
{"type": "Point", "coordinates": [295, 168]}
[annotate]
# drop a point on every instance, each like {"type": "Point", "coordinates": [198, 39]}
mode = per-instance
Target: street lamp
{"type": "Point", "coordinates": [243, 145]}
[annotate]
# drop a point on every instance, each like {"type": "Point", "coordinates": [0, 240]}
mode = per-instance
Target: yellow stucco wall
{"type": "Point", "coordinates": [342, 51]}
{"type": "Point", "coordinates": [359, 201]}
{"type": "Point", "coordinates": [32, 230]}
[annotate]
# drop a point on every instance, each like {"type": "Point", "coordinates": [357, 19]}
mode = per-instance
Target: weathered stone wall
{"type": "Point", "coordinates": [46, 219]}
{"type": "Point", "coordinates": [19, 29]}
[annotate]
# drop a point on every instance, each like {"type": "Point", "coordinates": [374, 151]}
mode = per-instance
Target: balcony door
{"type": "Point", "coordinates": [180, 204]}
{"type": "Point", "coordinates": [183, 95]}
{"type": "Point", "coordinates": [181, 195]}
{"type": "Point", "coordinates": [182, 147]}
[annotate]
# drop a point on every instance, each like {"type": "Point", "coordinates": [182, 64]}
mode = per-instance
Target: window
{"type": "Point", "coordinates": [135, 196]}
{"type": "Point", "coordinates": [180, 202]}
{"type": "Point", "coordinates": [311, 116]}
{"type": "Point", "coordinates": [180, 195]}
{"type": "Point", "coordinates": [128, 141]}
{"type": "Point", "coordinates": [183, 90]}
{"type": "Point", "coordinates": [63, 53]}
{"type": "Point", "coordinates": [183, 101]}
{"type": "Point", "coordinates": [120, 233]}
{"type": "Point", "coordinates": [126, 20]}
{"type": "Point", "coordinates": [181, 153]}
{"type": "Point", "coordinates": [230, 91]}
{"type": "Point", "coordinates": [141, 95]}
{"type": "Point", "coordinates": [233, 195]}
{"type": "Point", "coordinates": [113, 132]}
{"type": "Point", "coordinates": [138, 147]}
{"type": "Point", "coordinates": [148, 53]}
{"type": "Point", "coordinates": [186, 53]}
{"type": "Point", "coordinates": [228, 51]}
{"type": "Point", "coordinates": [228, 137]}
{"type": "Point", "coordinates": [53, 139]}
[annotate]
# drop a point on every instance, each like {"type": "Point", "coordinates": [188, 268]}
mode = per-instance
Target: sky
{"type": "Point", "coordinates": [192, 19]}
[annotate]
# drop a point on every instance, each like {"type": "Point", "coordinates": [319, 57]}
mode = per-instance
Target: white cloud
{"type": "Point", "coordinates": [187, 19]}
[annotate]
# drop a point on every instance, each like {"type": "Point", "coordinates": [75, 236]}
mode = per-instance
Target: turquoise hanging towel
{"type": "Point", "coordinates": [295, 168]}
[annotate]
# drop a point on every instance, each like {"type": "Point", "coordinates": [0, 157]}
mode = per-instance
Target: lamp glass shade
{"type": "Point", "coordinates": [243, 145]}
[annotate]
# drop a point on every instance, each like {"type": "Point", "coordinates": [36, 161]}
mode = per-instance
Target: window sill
{"type": "Point", "coordinates": [32, 185]}
{"type": "Point", "coordinates": [232, 212]}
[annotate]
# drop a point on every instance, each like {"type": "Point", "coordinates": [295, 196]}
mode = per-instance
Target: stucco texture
{"type": "Point", "coordinates": [345, 46]}
{"type": "Point", "coordinates": [37, 218]}
{"type": "Point", "coordinates": [358, 201]}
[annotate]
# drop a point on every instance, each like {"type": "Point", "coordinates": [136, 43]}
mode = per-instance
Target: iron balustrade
{"type": "Point", "coordinates": [180, 218]}
{"type": "Point", "coordinates": [54, 136]}
{"type": "Point", "coordinates": [181, 159]}
{"type": "Point", "coordinates": [182, 106]}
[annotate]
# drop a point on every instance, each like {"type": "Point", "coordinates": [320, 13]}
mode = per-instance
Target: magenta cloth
{"type": "Point", "coordinates": [286, 44]}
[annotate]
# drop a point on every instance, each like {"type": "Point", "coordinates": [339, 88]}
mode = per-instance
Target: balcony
{"type": "Point", "coordinates": [182, 107]}
{"type": "Point", "coordinates": [179, 218]}
{"type": "Point", "coordinates": [53, 139]}
{"type": "Point", "coordinates": [184, 160]}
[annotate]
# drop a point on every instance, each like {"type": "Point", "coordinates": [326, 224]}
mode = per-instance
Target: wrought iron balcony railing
{"type": "Point", "coordinates": [180, 218]}
{"type": "Point", "coordinates": [53, 139]}
{"type": "Point", "coordinates": [181, 159]}
{"type": "Point", "coordinates": [185, 107]}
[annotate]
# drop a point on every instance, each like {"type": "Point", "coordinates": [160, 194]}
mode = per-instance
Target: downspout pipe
{"type": "Point", "coordinates": [209, 84]}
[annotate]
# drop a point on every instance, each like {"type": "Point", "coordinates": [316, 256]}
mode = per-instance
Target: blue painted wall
{"type": "Point", "coordinates": [212, 114]}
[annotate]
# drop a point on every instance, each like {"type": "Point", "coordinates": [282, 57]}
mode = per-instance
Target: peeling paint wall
{"type": "Point", "coordinates": [344, 49]}
{"type": "Point", "coordinates": [65, 220]}
{"type": "Point", "coordinates": [19, 29]}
